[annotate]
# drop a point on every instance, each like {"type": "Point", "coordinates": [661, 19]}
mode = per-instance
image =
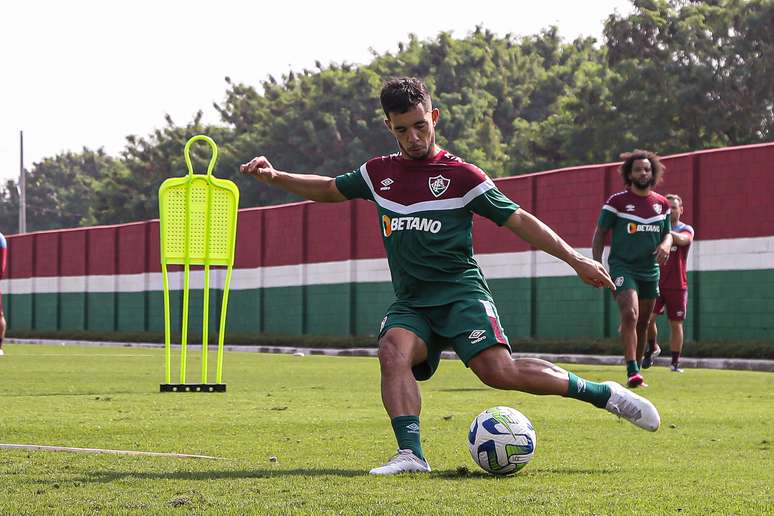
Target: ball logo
{"type": "Point", "coordinates": [389, 224]}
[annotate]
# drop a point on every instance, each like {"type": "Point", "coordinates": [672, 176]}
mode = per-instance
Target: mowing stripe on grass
{"type": "Point", "coordinates": [134, 453]}
{"type": "Point", "coordinates": [15, 355]}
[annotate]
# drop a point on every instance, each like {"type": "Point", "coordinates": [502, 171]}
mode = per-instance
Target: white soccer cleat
{"type": "Point", "coordinates": [632, 407]}
{"type": "Point", "coordinates": [2, 352]}
{"type": "Point", "coordinates": [402, 462]}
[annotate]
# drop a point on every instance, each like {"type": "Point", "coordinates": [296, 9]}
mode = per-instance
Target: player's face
{"type": "Point", "coordinates": [414, 130]}
{"type": "Point", "coordinates": [675, 210]}
{"type": "Point", "coordinates": [642, 174]}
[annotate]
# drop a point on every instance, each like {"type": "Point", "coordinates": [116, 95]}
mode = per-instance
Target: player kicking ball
{"type": "Point", "coordinates": [426, 198]}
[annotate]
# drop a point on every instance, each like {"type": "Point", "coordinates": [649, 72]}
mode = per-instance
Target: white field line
{"type": "Point", "coordinates": [134, 453]}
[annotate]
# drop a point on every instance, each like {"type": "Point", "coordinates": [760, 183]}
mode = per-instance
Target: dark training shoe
{"type": "Point", "coordinates": [650, 356]}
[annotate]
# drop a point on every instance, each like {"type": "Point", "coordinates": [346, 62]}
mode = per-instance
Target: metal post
{"type": "Point", "coordinates": [22, 187]}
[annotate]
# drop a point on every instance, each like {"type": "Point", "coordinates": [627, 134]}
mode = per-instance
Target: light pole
{"type": "Point", "coordinates": [22, 187]}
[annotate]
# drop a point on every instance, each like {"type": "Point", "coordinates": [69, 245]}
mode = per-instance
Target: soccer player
{"type": "Point", "coordinates": [639, 220]}
{"type": "Point", "coordinates": [3, 250]}
{"type": "Point", "coordinates": [673, 284]}
{"type": "Point", "coordinates": [425, 198]}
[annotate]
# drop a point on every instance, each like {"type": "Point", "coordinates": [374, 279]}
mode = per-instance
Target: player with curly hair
{"type": "Point", "coordinates": [639, 221]}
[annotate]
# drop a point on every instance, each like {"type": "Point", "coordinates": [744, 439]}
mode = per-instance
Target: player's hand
{"type": "Point", "coordinates": [593, 273]}
{"type": "Point", "coordinates": [260, 168]}
{"type": "Point", "coordinates": [662, 253]}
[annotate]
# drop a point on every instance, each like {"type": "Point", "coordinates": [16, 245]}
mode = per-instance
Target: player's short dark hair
{"type": "Point", "coordinates": [655, 164]}
{"type": "Point", "coordinates": [403, 93]}
{"type": "Point", "coordinates": [675, 197]}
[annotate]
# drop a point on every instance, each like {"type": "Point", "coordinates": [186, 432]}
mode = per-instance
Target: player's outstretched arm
{"type": "Point", "coordinates": [534, 231]}
{"type": "Point", "coordinates": [308, 186]}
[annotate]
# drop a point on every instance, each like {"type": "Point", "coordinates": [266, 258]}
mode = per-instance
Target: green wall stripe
{"type": "Point", "coordinates": [730, 305]}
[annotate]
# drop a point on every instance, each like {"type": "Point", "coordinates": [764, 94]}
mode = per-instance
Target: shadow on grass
{"type": "Point", "coordinates": [460, 473]}
{"type": "Point", "coordinates": [464, 389]}
{"type": "Point", "coordinates": [112, 476]}
{"type": "Point", "coordinates": [48, 394]}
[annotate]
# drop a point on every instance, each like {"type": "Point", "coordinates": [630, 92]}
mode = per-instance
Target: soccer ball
{"type": "Point", "coordinates": [501, 440]}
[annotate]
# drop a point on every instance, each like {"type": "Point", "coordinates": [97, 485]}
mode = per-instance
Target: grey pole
{"type": "Point", "coordinates": [22, 187]}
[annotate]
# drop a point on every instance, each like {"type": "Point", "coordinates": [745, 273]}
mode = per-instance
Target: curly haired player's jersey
{"type": "Point", "coordinates": [638, 224]}
{"type": "Point", "coordinates": [426, 212]}
{"type": "Point", "coordinates": [674, 273]}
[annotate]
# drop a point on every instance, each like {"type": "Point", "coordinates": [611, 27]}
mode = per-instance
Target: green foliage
{"type": "Point", "coordinates": [674, 76]}
{"type": "Point", "coordinates": [322, 420]}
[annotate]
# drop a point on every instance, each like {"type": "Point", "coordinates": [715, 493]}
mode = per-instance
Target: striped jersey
{"type": "Point", "coordinates": [674, 273]}
{"type": "Point", "coordinates": [639, 224]}
{"type": "Point", "coordinates": [425, 210]}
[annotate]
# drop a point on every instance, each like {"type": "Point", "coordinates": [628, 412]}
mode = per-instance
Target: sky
{"type": "Point", "coordinates": [86, 73]}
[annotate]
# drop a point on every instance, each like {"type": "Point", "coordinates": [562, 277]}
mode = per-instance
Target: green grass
{"type": "Point", "coordinates": [322, 418]}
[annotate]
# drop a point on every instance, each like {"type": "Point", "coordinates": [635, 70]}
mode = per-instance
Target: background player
{"type": "Point", "coordinates": [639, 220]}
{"type": "Point", "coordinates": [673, 287]}
{"type": "Point", "coordinates": [3, 254]}
{"type": "Point", "coordinates": [425, 198]}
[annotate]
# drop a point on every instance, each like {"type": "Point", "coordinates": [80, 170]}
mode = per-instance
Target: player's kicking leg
{"type": "Point", "coordinates": [399, 350]}
{"type": "Point", "coordinates": [495, 367]}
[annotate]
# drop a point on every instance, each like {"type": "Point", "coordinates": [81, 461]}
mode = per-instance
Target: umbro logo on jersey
{"type": "Point", "coordinates": [477, 336]}
{"type": "Point", "coordinates": [630, 207]}
{"type": "Point", "coordinates": [390, 224]}
{"type": "Point", "coordinates": [412, 428]}
{"type": "Point", "coordinates": [438, 185]}
{"type": "Point", "coordinates": [386, 184]}
{"type": "Point", "coordinates": [633, 228]}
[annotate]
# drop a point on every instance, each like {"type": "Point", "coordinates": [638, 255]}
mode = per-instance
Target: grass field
{"type": "Point", "coordinates": [322, 418]}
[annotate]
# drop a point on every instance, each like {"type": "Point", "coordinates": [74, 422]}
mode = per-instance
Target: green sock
{"type": "Point", "coordinates": [406, 430]}
{"type": "Point", "coordinates": [592, 392]}
{"type": "Point", "coordinates": [632, 367]}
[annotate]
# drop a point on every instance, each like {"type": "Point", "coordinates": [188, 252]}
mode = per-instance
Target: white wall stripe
{"type": "Point", "coordinates": [736, 254]}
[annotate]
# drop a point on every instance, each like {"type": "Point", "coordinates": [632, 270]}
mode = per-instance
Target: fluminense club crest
{"type": "Point", "coordinates": [657, 208]}
{"type": "Point", "coordinates": [438, 185]}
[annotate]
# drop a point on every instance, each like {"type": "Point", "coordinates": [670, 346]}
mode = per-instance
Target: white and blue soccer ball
{"type": "Point", "coordinates": [502, 440]}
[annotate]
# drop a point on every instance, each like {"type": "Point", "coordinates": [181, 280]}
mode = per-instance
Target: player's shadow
{"type": "Point", "coordinates": [47, 394]}
{"type": "Point", "coordinates": [460, 473]}
{"type": "Point", "coordinates": [464, 389]}
{"type": "Point", "coordinates": [106, 477]}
